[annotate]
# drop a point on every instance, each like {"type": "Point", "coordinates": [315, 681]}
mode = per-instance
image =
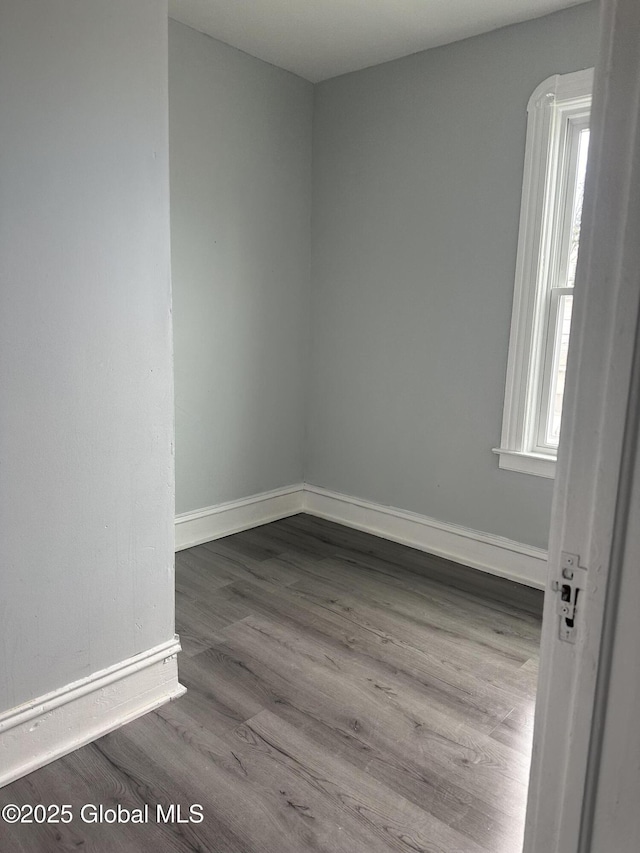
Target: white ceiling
{"type": "Point", "coordinates": [318, 39]}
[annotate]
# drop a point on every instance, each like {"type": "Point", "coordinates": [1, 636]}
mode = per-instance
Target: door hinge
{"type": "Point", "coordinates": [571, 582]}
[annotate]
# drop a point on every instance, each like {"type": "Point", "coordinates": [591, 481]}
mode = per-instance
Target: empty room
{"type": "Point", "coordinates": [319, 466]}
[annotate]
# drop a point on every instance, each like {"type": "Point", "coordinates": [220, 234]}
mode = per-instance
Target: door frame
{"type": "Point", "coordinates": [597, 459]}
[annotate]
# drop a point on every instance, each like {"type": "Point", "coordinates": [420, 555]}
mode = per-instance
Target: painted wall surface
{"type": "Point", "coordinates": [240, 138]}
{"type": "Point", "coordinates": [86, 420]}
{"type": "Point", "coordinates": [416, 195]}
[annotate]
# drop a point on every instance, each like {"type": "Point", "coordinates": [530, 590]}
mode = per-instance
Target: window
{"type": "Point", "coordinates": [551, 211]}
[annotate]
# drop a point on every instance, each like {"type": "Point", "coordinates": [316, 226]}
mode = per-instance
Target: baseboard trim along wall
{"type": "Point", "coordinates": [495, 555]}
{"type": "Point", "coordinates": [40, 731]}
{"type": "Point", "coordinates": [484, 551]}
{"type": "Point", "coordinates": [213, 522]}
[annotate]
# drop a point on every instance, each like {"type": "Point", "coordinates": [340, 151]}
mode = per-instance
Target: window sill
{"type": "Point", "coordinates": [537, 464]}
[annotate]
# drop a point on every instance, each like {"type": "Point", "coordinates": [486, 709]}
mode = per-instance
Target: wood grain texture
{"type": "Point", "coordinates": [345, 695]}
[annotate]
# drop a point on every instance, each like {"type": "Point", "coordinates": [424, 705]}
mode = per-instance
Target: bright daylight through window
{"type": "Point", "coordinates": [551, 212]}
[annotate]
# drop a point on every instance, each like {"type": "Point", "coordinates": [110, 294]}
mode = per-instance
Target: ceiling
{"type": "Point", "coordinates": [318, 39]}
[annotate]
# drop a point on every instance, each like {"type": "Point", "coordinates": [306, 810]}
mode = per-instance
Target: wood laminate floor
{"type": "Point", "coordinates": [345, 694]}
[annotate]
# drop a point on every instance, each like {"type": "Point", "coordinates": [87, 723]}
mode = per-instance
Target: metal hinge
{"type": "Point", "coordinates": [571, 582]}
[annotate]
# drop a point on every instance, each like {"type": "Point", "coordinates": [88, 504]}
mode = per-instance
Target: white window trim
{"type": "Point", "coordinates": [541, 160]}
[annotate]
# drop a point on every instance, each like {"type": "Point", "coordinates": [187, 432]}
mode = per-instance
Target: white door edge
{"type": "Point", "coordinates": [596, 457]}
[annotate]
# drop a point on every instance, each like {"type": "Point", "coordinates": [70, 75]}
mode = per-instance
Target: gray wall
{"type": "Point", "coordinates": [240, 133]}
{"type": "Point", "coordinates": [86, 482]}
{"type": "Point", "coordinates": [417, 181]}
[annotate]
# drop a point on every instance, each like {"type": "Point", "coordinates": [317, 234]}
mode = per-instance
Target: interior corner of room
{"type": "Point", "coordinates": [343, 261]}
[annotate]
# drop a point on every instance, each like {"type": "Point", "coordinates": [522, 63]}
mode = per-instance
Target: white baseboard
{"type": "Point", "coordinates": [484, 551]}
{"type": "Point", "coordinates": [213, 522]}
{"type": "Point", "coordinates": [40, 731]}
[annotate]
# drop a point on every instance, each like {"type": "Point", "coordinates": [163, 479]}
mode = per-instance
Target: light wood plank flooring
{"type": "Point", "coordinates": [345, 694]}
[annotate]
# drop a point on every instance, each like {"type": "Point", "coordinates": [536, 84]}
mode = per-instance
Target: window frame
{"type": "Point", "coordinates": [559, 103]}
